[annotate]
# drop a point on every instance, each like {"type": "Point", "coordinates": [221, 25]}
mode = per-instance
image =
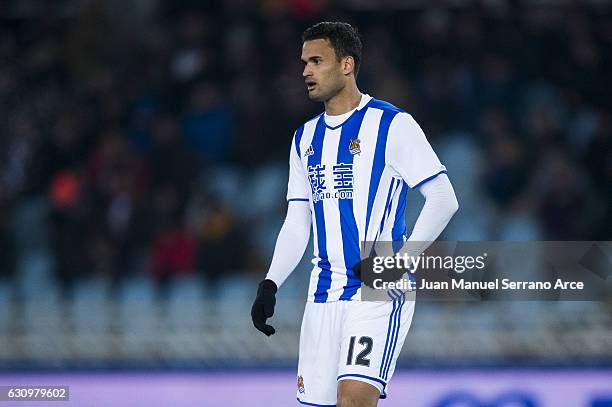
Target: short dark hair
{"type": "Point", "coordinates": [343, 37]}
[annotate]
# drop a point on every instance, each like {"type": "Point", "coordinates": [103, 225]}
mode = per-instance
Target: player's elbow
{"type": "Point", "coordinates": [453, 205]}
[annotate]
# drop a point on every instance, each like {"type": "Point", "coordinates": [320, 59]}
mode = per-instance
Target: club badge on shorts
{"type": "Point", "coordinates": [300, 383]}
{"type": "Point", "coordinates": [354, 146]}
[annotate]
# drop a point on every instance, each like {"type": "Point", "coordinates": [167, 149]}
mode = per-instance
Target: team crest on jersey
{"type": "Point", "coordinates": [309, 152]}
{"type": "Point", "coordinates": [354, 146]}
{"type": "Point", "coordinates": [300, 383]}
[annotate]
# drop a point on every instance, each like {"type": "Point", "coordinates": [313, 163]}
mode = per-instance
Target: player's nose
{"type": "Point", "coordinates": [307, 72]}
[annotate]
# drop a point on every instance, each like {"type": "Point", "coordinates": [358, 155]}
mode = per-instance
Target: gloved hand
{"type": "Point", "coordinates": [263, 307]}
{"type": "Point", "coordinates": [364, 271]}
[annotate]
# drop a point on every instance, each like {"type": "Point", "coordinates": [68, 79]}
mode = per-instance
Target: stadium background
{"type": "Point", "coordinates": [143, 167]}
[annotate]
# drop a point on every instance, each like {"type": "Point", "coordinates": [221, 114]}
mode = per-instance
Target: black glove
{"type": "Point", "coordinates": [263, 307]}
{"type": "Point", "coordinates": [364, 272]}
{"type": "Point", "coordinates": [365, 267]}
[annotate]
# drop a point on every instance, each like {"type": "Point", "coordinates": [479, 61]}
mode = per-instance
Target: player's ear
{"type": "Point", "coordinates": [348, 65]}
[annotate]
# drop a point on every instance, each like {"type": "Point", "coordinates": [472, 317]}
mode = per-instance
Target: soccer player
{"type": "Point", "coordinates": [349, 170]}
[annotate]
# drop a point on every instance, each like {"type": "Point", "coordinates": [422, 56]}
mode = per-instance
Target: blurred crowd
{"type": "Point", "coordinates": [155, 140]}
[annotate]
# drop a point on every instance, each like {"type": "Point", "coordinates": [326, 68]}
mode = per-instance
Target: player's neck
{"type": "Point", "coordinates": [345, 101]}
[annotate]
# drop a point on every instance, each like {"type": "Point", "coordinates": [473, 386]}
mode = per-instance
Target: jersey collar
{"type": "Point", "coordinates": [365, 99]}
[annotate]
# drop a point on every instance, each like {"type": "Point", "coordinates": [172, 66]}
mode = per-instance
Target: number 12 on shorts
{"type": "Point", "coordinates": [361, 359]}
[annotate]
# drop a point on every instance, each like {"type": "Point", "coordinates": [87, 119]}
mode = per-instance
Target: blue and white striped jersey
{"type": "Point", "coordinates": [355, 176]}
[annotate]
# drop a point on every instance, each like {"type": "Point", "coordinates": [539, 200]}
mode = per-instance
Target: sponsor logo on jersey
{"type": "Point", "coordinates": [300, 385]}
{"type": "Point", "coordinates": [334, 184]}
{"type": "Point", "coordinates": [309, 151]}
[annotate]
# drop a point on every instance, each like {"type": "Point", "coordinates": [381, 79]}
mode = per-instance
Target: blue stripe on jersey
{"type": "Point", "coordinates": [392, 188]}
{"type": "Point", "coordinates": [382, 105]}
{"type": "Point", "coordinates": [348, 226]}
{"type": "Point", "coordinates": [298, 138]}
{"type": "Point", "coordinates": [324, 282]}
{"type": "Point", "coordinates": [378, 163]}
{"type": "Point", "coordinates": [399, 225]}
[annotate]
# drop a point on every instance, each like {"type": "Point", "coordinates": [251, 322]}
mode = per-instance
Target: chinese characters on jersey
{"type": "Point", "coordinates": [331, 183]}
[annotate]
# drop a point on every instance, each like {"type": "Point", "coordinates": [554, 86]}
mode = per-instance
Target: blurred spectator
{"type": "Point", "coordinates": [207, 123]}
{"type": "Point", "coordinates": [173, 248]}
{"type": "Point", "coordinates": [8, 255]}
{"type": "Point", "coordinates": [563, 196]}
{"type": "Point", "coordinates": [221, 245]}
{"type": "Point", "coordinates": [508, 166]}
{"type": "Point", "coordinates": [171, 161]}
{"type": "Point", "coordinates": [69, 222]}
{"type": "Point", "coordinates": [116, 177]}
{"type": "Point", "coordinates": [173, 253]}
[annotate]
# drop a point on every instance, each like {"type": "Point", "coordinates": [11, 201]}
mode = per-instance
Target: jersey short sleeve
{"type": "Point", "coordinates": [409, 153]}
{"type": "Point", "coordinates": [298, 188]}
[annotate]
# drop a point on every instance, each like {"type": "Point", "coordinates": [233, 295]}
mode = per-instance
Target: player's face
{"type": "Point", "coordinates": [323, 73]}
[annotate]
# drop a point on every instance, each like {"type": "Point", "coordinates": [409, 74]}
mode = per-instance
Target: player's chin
{"type": "Point", "coordinates": [315, 96]}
